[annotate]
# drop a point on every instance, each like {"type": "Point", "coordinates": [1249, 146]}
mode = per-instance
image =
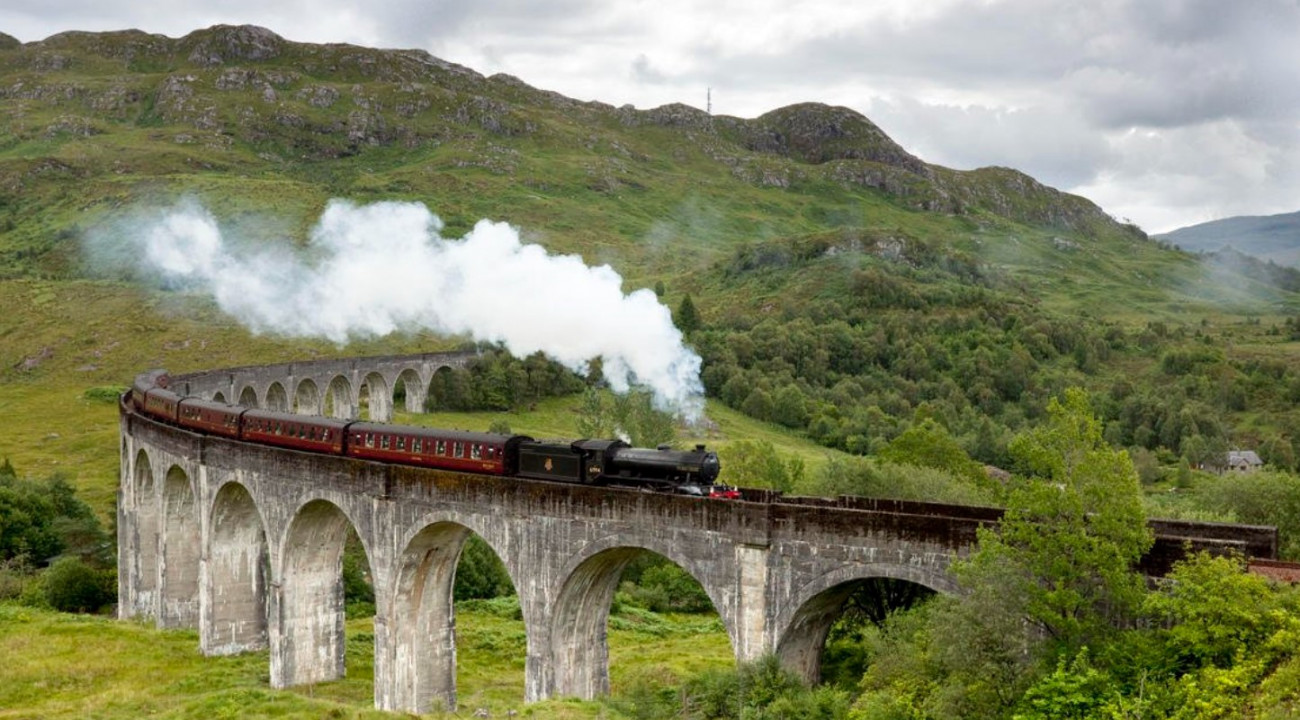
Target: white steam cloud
{"type": "Point", "coordinates": [371, 270]}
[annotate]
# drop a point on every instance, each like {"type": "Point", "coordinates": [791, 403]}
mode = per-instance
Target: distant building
{"type": "Point", "coordinates": [1244, 461]}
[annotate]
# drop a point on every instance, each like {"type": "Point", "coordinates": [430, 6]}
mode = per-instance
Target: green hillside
{"type": "Point", "coordinates": [859, 312]}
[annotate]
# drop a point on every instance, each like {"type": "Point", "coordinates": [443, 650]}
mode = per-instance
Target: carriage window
{"type": "Point", "coordinates": [383, 442]}
{"type": "Point", "coordinates": [442, 447]}
{"type": "Point", "coordinates": [401, 443]}
{"type": "Point", "coordinates": [370, 440]}
{"type": "Point", "coordinates": [476, 451]}
{"type": "Point", "coordinates": [325, 436]}
{"type": "Point", "coordinates": [460, 450]}
{"type": "Point", "coordinates": [416, 445]}
{"type": "Point", "coordinates": [278, 429]}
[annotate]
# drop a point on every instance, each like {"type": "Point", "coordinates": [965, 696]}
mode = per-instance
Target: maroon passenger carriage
{"type": "Point", "coordinates": [162, 403]}
{"type": "Point", "coordinates": [208, 416]}
{"type": "Point", "coordinates": [300, 432]}
{"type": "Point", "coordinates": [462, 451]}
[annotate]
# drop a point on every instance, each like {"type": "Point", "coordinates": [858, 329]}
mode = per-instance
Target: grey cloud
{"type": "Point", "coordinates": [1054, 146]}
{"type": "Point", "coordinates": [1128, 63]}
{"type": "Point", "coordinates": [644, 72]}
{"type": "Point", "coordinates": [422, 23]}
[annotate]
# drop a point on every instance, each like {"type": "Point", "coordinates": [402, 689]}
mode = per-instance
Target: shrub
{"type": "Point", "coordinates": [73, 586]}
{"type": "Point", "coordinates": [480, 574]}
{"type": "Point", "coordinates": [104, 394]}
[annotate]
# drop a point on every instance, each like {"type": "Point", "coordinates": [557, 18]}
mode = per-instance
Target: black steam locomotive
{"type": "Point", "coordinates": [589, 462]}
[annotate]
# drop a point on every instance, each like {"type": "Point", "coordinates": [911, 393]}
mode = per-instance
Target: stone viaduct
{"type": "Point", "coordinates": [245, 543]}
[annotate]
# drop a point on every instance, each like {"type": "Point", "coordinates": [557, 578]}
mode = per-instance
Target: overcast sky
{"type": "Point", "coordinates": [1164, 112]}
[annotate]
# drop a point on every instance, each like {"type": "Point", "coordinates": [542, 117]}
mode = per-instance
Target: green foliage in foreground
{"type": "Point", "coordinates": [1056, 624]}
{"type": "Point", "coordinates": [43, 519]}
{"type": "Point", "coordinates": [43, 523]}
{"type": "Point", "coordinates": [1264, 498]}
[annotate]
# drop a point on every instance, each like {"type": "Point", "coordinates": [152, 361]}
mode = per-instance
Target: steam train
{"type": "Point", "coordinates": [588, 462]}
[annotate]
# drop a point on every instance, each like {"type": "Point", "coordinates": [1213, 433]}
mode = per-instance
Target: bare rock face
{"type": "Point", "coordinates": [816, 133]}
{"type": "Point", "coordinates": [223, 44]}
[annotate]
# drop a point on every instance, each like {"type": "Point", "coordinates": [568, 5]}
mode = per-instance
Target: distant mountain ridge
{"type": "Point", "coordinates": [232, 89]}
{"type": "Point", "coordinates": [1267, 237]}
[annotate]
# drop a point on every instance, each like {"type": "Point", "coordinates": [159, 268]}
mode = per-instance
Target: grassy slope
{"type": "Point", "coordinates": [65, 666]}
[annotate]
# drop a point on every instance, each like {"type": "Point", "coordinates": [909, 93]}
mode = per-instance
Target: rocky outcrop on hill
{"type": "Point", "coordinates": [816, 133]}
{"type": "Point", "coordinates": [225, 44]}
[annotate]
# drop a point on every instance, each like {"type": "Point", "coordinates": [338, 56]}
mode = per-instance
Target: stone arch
{"type": "Point", "coordinates": [802, 629]}
{"type": "Point", "coordinates": [248, 397]}
{"type": "Point", "coordinates": [338, 399]}
{"type": "Point", "coordinates": [309, 644]}
{"type": "Point", "coordinates": [423, 619]}
{"type": "Point", "coordinates": [306, 398]}
{"type": "Point", "coordinates": [236, 573]}
{"type": "Point", "coordinates": [579, 647]}
{"type": "Point", "coordinates": [219, 396]}
{"type": "Point", "coordinates": [145, 573]}
{"type": "Point", "coordinates": [440, 387]}
{"type": "Point", "coordinates": [410, 389]}
{"type": "Point", "coordinates": [374, 399]}
{"type": "Point", "coordinates": [180, 553]}
{"type": "Point", "coordinates": [422, 647]}
{"type": "Point", "coordinates": [276, 398]}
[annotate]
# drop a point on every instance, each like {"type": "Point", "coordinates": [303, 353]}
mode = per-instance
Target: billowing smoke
{"type": "Point", "coordinates": [374, 269]}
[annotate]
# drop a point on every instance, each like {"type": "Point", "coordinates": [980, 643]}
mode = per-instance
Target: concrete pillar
{"type": "Point", "coordinates": [579, 647]}
{"type": "Point", "coordinates": [418, 669]}
{"type": "Point", "coordinates": [141, 546]}
{"type": "Point", "coordinates": [752, 638]}
{"type": "Point", "coordinates": [539, 678]}
{"type": "Point", "coordinates": [125, 602]}
{"type": "Point", "coordinates": [233, 574]}
{"type": "Point", "coordinates": [180, 554]}
{"type": "Point", "coordinates": [306, 614]}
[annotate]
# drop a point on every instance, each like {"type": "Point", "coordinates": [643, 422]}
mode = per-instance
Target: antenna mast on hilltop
{"type": "Point", "coordinates": [709, 101]}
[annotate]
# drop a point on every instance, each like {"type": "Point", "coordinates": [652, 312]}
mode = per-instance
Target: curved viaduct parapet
{"type": "Point", "coordinates": [313, 386]}
{"type": "Point", "coordinates": [243, 541]}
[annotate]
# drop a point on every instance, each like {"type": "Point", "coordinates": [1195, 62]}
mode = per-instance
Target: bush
{"type": "Point", "coordinates": [73, 586]}
{"type": "Point", "coordinates": [42, 519]}
{"type": "Point", "coordinates": [761, 690]}
{"type": "Point", "coordinates": [666, 587]}
{"type": "Point", "coordinates": [105, 394]}
{"type": "Point", "coordinates": [1262, 498]}
{"type": "Point", "coordinates": [14, 577]}
{"type": "Point", "coordinates": [480, 574]}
